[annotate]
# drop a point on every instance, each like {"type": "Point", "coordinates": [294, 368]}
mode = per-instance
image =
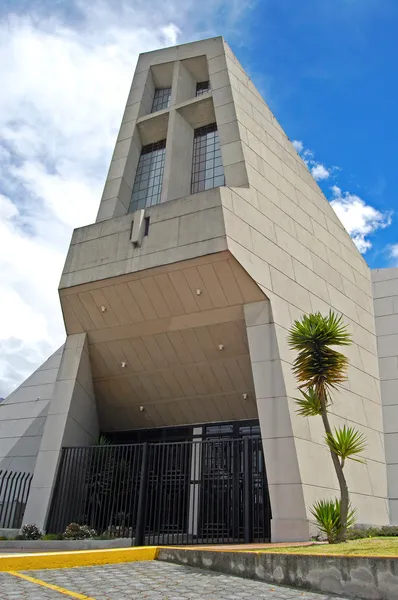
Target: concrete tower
{"type": "Point", "coordinates": [211, 238]}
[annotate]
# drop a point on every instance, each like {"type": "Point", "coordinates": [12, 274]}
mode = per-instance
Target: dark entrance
{"type": "Point", "coordinates": [167, 489]}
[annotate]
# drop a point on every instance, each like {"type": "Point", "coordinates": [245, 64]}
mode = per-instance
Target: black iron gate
{"type": "Point", "coordinates": [194, 492]}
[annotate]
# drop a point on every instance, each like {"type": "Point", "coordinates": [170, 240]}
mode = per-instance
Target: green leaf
{"type": "Point", "coordinates": [346, 442]}
{"type": "Point", "coordinates": [318, 364]}
{"type": "Point", "coordinates": [327, 517]}
{"type": "Point", "coordinates": [309, 405]}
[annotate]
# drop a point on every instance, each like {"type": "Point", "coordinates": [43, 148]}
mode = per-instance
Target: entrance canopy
{"type": "Point", "coordinates": [168, 345]}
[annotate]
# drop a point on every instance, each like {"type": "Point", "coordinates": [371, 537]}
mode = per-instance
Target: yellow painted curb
{"type": "Point", "coordinates": [79, 558]}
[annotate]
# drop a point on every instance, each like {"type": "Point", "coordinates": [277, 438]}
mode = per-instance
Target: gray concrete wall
{"type": "Point", "coordinates": [285, 234]}
{"type": "Point", "coordinates": [120, 179]}
{"type": "Point", "coordinates": [72, 421]}
{"type": "Point", "coordinates": [23, 416]}
{"type": "Point", "coordinates": [385, 290]}
{"type": "Point", "coordinates": [63, 545]}
{"type": "Point", "coordinates": [367, 578]}
{"type": "Point", "coordinates": [179, 230]}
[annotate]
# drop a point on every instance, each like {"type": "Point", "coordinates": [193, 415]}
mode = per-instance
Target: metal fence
{"type": "Point", "coordinates": [14, 492]}
{"type": "Point", "coordinates": [195, 492]}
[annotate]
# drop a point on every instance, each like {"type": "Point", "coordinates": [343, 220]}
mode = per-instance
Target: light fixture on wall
{"type": "Point", "coordinates": [221, 347]}
{"type": "Point", "coordinates": [123, 365]}
{"type": "Point", "coordinates": [198, 292]}
{"type": "Point", "coordinates": [245, 396]}
{"type": "Point", "coordinates": [103, 309]}
{"type": "Point", "coordinates": [142, 408]}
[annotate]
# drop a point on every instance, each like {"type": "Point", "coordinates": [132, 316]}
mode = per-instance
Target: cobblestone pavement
{"type": "Point", "coordinates": [150, 580]}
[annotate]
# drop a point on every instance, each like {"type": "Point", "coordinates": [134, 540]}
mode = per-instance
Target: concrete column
{"type": "Point", "coordinates": [386, 312]}
{"type": "Point", "coordinates": [178, 161]}
{"type": "Point", "coordinates": [270, 374]}
{"type": "Point", "coordinates": [71, 421]}
{"type": "Point", "coordinates": [184, 85]}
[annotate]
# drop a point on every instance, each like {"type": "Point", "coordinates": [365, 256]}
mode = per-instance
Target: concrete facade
{"type": "Point", "coordinates": [71, 421]}
{"type": "Point", "coordinates": [385, 289]}
{"type": "Point", "coordinates": [23, 415]}
{"type": "Point", "coordinates": [189, 322]}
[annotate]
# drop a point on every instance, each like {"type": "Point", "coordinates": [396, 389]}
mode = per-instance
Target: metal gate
{"type": "Point", "coordinates": [14, 492]}
{"type": "Point", "coordinates": [193, 492]}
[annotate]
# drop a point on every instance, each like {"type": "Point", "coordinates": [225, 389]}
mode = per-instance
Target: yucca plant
{"type": "Point", "coordinates": [327, 516]}
{"type": "Point", "coordinates": [320, 369]}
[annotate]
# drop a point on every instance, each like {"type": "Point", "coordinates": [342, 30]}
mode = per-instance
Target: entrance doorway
{"type": "Point", "coordinates": [162, 488]}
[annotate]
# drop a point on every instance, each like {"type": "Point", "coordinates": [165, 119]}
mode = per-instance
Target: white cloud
{"type": "Point", "coordinates": [64, 85]}
{"type": "Point", "coordinates": [319, 171]}
{"type": "Point", "coordinates": [360, 219]}
{"type": "Point", "coordinates": [392, 253]}
{"type": "Point", "coordinates": [298, 145]}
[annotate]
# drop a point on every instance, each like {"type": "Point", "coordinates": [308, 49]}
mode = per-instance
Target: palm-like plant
{"type": "Point", "coordinates": [320, 369]}
{"type": "Point", "coordinates": [327, 515]}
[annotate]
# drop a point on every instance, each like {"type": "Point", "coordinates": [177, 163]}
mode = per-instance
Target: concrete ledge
{"type": "Point", "coordinates": [63, 560]}
{"type": "Point", "coordinates": [8, 533]}
{"type": "Point", "coordinates": [62, 545]}
{"type": "Point", "coordinates": [367, 578]}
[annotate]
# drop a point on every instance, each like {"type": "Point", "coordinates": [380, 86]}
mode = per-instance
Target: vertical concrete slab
{"type": "Point", "coordinates": [178, 161]}
{"type": "Point", "coordinates": [23, 416]}
{"type": "Point", "coordinates": [385, 292]}
{"type": "Point", "coordinates": [71, 421]}
{"type": "Point", "coordinates": [286, 235]}
{"type": "Point", "coordinates": [289, 517]}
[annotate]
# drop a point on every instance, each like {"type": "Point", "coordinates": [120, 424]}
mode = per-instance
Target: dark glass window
{"type": "Point", "coordinates": [207, 168]}
{"type": "Point", "coordinates": [161, 99]}
{"type": "Point", "coordinates": [148, 179]}
{"type": "Point", "coordinates": [202, 87]}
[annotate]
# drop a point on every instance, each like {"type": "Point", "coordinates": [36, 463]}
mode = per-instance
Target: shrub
{"type": "Point", "coordinates": [357, 533]}
{"type": "Point", "coordinates": [388, 531]}
{"type": "Point", "coordinates": [31, 532]}
{"type": "Point", "coordinates": [52, 536]}
{"type": "Point", "coordinates": [105, 536]}
{"type": "Point", "coordinates": [79, 532]}
{"type": "Point", "coordinates": [327, 516]}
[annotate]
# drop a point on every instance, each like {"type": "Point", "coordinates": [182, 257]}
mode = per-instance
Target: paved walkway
{"type": "Point", "coordinates": [150, 580]}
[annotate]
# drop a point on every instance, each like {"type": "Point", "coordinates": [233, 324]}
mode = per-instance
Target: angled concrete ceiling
{"type": "Point", "coordinates": [168, 345]}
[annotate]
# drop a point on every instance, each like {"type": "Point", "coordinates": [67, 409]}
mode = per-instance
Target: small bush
{"type": "Point", "coordinates": [79, 532]}
{"type": "Point", "coordinates": [31, 532]}
{"type": "Point", "coordinates": [19, 537]}
{"type": "Point", "coordinates": [2, 538]}
{"type": "Point", "coordinates": [388, 531]}
{"type": "Point", "coordinates": [53, 536]}
{"type": "Point", "coordinates": [357, 533]}
{"type": "Point", "coordinates": [105, 536]}
{"type": "Point", "coordinates": [327, 517]}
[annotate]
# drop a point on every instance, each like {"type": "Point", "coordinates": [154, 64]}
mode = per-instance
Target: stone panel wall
{"type": "Point", "coordinates": [285, 234]}
{"type": "Point", "coordinates": [385, 285]}
{"type": "Point", "coordinates": [23, 416]}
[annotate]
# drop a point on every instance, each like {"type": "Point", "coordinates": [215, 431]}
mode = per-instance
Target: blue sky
{"type": "Point", "coordinates": [327, 69]}
{"type": "Point", "coordinates": [329, 72]}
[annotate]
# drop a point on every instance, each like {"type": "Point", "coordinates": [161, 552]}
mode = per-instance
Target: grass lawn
{"type": "Point", "coordinates": [382, 546]}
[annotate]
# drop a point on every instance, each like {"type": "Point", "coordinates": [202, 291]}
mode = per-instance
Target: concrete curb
{"type": "Point", "coordinates": [82, 558]}
{"type": "Point", "coordinates": [367, 578]}
{"type": "Point", "coordinates": [62, 545]}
